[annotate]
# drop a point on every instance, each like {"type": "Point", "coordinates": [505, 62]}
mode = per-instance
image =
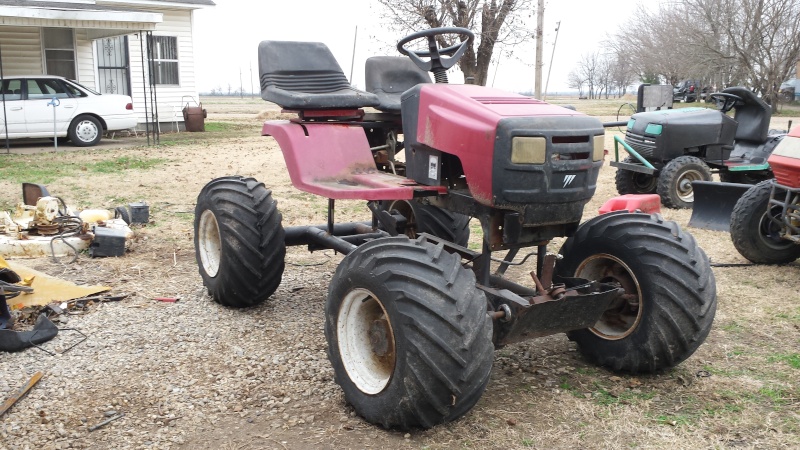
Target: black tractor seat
{"type": "Point", "coordinates": [305, 76]}
{"type": "Point", "coordinates": [389, 76]}
{"type": "Point", "coordinates": [752, 117]}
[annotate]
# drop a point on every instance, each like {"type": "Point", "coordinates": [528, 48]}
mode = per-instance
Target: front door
{"type": "Point", "coordinates": [112, 65]}
{"type": "Point", "coordinates": [39, 114]}
{"type": "Point", "coordinates": [12, 93]}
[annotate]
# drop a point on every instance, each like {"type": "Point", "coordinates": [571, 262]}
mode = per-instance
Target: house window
{"type": "Point", "coordinates": [164, 59]}
{"type": "Point", "coordinates": [59, 52]}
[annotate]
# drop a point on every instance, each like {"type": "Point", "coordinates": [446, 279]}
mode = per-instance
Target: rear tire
{"type": "Point", "coordinates": [239, 241]}
{"type": "Point", "coordinates": [422, 218]}
{"type": "Point", "coordinates": [85, 131]}
{"type": "Point", "coordinates": [754, 235]}
{"type": "Point", "coordinates": [408, 333]}
{"type": "Point", "coordinates": [630, 182]}
{"type": "Point", "coordinates": [668, 277]}
{"type": "Point", "coordinates": [675, 181]}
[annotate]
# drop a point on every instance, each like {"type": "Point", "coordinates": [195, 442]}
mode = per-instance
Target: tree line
{"type": "Point", "coordinates": [752, 43]}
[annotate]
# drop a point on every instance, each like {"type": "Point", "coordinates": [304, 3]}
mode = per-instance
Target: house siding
{"type": "Point", "coordinates": [170, 98]}
{"type": "Point", "coordinates": [84, 56]}
{"type": "Point", "coordinates": [22, 50]}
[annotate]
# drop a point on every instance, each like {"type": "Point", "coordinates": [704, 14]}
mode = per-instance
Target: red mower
{"type": "Point", "coordinates": [413, 315]}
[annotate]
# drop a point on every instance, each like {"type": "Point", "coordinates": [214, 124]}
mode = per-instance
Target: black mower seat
{"type": "Point", "coordinates": [753, 117]}
{"type": "Point", "coordinates": [305, 75]}
{"type": "Point", "coordinates": [389, 76]}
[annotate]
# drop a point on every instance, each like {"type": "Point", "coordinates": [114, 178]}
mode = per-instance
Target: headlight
{"type": "Point", "coordinates": [599, 147]}
{"type": "Point", "coordinates": [528, 150]}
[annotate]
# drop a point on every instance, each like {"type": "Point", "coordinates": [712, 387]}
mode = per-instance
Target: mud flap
{"type": "Point", "coordinates": [714, 203]}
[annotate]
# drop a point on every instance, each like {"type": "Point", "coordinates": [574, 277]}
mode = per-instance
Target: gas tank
{"type": "Point", "coordinates": [785, 159]}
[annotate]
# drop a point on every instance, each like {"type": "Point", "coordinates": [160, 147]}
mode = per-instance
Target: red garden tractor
{"type": "Point", "coordinates": [412, 314]}
{"type": "Point", "coordinates": [765, 224]}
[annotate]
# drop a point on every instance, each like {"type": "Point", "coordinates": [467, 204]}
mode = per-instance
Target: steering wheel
{"type": "Point", "coordinates": [436, 61]}
{"type": "Point", "coordinates": [726, 101]}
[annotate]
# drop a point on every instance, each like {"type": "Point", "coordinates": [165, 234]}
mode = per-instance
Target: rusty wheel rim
{"type": "Point", "coordinates": [209, 243]}
{"type": "Point", "coordinates": [684, 185]}
{"type": "Point", "coordinates": [625, 313]}
{"type": "Point", "coordinates": [366, 341]}
{"type": "Point", "coordinates": [404, 208]}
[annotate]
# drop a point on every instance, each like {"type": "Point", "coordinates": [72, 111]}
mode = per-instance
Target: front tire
{"type": "Point", "coordinates": [85, 131]}
{"type": "Point", "coordinates": [408, 333]}
{"type": "Point", "coordinates": [630, 182]}
{"type": "Point", "coordinates": [239, 241]}
{"type": "Point", "coordinates": [675, 181]}
{"type": "Point", "coordinates": [670, 299]}
{"type": "Point", "coordinates": [754, 235]}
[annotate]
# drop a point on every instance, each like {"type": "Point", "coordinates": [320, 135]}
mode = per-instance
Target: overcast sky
{"type": "Point", "coordinates": [227, 37]}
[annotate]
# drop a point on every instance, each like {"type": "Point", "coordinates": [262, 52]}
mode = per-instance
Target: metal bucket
{"type": "Point", "coordinates": [194, 118]}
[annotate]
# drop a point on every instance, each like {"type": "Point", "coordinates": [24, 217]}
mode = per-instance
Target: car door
{"type": "Point", "coordinates": [12, 94]}
{"type": "Point", "coordinates": [39, 114]}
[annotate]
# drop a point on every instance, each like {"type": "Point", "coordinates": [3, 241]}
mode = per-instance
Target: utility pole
{"type": "Point", "coordinates": [537, 87]}
{"type": "Point", "coordinates": [353, 58]}
{"type": "Point", "coordinates": [553, 55]}
{"type": "Point", "coordinates": [241, 89]}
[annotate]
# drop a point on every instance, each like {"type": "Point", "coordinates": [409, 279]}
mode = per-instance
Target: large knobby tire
{"type": "Point", "coordinates": [238, 241]}
{"type": "Point", "coordinates": [670, 290]}
{"type": "Point", "coordinates": [85, 131]}
{"type": "Point", "coordinates": [408, 333]}
{"type": "Point", "coordinates": [754, 235]}
{"type": "Point", "coordinates": [675, 180]}
{"type": "Point", "coordinates": [630, 182]}
{"type": "Point", "coordinates": [422, 218]}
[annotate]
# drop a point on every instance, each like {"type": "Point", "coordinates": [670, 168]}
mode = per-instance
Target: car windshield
{"type": "Point", "coordinates": [83, 87]}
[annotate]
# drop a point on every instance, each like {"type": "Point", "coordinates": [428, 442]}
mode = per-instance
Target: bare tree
{"type": "Point", "coordinates": [726, 42]}
{"type": "Point", "coordinates": [493, 22]}
{"type": "Point", "coordinates": [576, 81]}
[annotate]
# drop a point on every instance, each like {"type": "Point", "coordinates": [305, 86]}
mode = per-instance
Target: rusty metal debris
{"type": "Point", "coordinates": [107, 421]}
{"type": "Point", "coordinates": [20, 393]}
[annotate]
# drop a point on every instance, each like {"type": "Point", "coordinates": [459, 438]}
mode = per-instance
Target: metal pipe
{"type": "Point", "coordinates": [321, 237]}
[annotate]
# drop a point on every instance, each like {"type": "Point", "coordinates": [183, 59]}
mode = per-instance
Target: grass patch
{"type": "Point", "coordinates": [45, 169]}
{"type": "Point", "coordinates": [124, 163]}
{"type": "Point", "coordinates": [793, 359]}
{"type": "Point", "coordinates": [218, 126]}
{"type": "Point", "coordinates": [606, 398]}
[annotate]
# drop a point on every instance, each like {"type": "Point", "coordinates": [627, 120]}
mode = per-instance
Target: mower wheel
{"type": "Point", "coordinates": [754, 235]}
{"type": "Point", "coordinates": [422, 218]}
{"type": "Point", "coordinates": [408, 333]}
{"type": "Point", "coordinates": [670, 293]}
{"type": "Point", "coordinates": [630, 182]}
{"type": "Point", "coordinates": [675, 181]}
{"type": "Point", "coordinates": [238, 241]}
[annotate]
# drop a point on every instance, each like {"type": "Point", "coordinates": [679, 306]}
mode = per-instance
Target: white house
{"type": "Point", "coordinates": [141, 48]}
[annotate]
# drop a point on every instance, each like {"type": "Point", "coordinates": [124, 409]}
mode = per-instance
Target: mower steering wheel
{"type": "Point", "coordinates": [726, 101]}
{"type": "Point", "coordinates": [455, 52]}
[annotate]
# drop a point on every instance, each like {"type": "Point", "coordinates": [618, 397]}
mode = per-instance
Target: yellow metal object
{"type": "Point", "coordinates": [528, 150]}
{"type": "Point", "coordinates": [47, 289]}
{"type": "Point", "coordinates": [599, 147]}
{"type": "Point", "coordinates": [95, 215]}
{"type": "Point", "coordinates": [3, 263]}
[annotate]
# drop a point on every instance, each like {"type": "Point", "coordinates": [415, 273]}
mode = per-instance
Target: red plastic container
{"type": "Point", "coordinates": [647, 203]}
{"type": "Point", "coordinates": [785, 160]}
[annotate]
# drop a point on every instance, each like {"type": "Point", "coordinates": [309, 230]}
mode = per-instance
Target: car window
{"type": "Point", "coordinates": [46, 89]}
{"type": "Point", "coordinates": [12, 90]}
{"type": "Point", "coordinates": [74, 91]}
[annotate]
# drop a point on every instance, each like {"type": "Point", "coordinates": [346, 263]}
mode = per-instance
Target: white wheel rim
{"type": "Point", "coordinates": [369, 370]}
{"type": "Point", "coordinates": [209, 243]}
{"type": "Point", "coordinates": [86, 130]}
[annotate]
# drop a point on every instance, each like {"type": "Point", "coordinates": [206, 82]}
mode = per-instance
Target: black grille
{"type": "Point", "coordinates": [636, 141]}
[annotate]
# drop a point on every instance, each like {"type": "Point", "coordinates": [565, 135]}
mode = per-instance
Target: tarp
{"type": "Point", "coordinates": [47, 289]}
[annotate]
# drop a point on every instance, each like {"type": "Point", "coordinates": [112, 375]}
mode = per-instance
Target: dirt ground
{"type": "Point", "coordinates": [194, 374]}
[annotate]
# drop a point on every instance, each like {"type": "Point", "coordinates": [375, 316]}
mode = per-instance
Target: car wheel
{"type": "Point", "coordinates": [85, 131]}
